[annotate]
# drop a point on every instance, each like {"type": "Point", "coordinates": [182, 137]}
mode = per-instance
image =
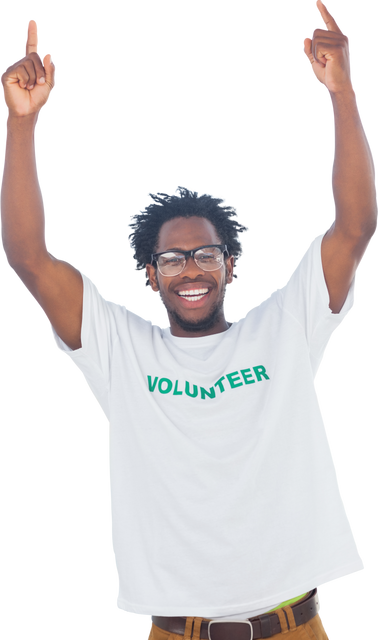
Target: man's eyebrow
{"type": "Point", "coordinates": [201, 246]}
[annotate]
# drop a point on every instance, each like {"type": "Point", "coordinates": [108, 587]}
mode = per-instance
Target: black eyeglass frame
{"type": "Point", "coordinates": [187, 254]}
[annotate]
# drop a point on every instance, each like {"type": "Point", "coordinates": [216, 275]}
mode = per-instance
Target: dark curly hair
{"type": "Point", "coordinates": [148, 223]}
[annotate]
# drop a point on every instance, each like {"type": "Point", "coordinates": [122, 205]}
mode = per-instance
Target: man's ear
{"type": "Point", "coordinates": [151, 272]}
{"type": "Point", "coordinates": [230, 270]}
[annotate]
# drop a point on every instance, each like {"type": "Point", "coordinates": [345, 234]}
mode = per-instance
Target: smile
{"type": "Point", "coordinates": [194, 297]}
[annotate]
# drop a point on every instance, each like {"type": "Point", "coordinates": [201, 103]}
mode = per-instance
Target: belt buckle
{"type": "Point", "coordinates": [225, 621]}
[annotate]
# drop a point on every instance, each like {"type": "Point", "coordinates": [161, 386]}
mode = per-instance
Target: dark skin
{"type": "Point", "coordinates": [187, 234]}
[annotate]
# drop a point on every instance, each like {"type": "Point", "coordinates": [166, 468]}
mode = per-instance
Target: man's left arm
{"type": "Point", "coordinates": [353, 171]}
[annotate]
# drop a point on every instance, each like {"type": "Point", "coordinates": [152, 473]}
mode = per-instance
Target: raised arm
{"type": "Point", "coordinates": [55, 284]}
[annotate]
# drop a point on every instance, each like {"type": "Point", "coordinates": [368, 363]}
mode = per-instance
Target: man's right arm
{"type": "Point", "coordinates": [55, 284]}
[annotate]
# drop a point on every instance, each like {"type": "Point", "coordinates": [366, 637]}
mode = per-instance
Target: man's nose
{"type": "Point", "coordinates": [191, 268]}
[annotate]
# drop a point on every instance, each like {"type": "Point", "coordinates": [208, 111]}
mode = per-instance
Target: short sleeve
{"type": "Point", "coordinates": [98, 336]}
{"type": "Point", "coordinates": [304, 295]}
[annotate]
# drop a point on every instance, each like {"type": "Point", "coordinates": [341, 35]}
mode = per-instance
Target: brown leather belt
{"type": "Point", "coordinates": [263, 626]}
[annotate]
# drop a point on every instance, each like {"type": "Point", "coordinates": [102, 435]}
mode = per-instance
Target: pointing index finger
{"type": "Point", "coordinates": [32, 41]}
{"type": "Point", "coordinates": [328, 19]}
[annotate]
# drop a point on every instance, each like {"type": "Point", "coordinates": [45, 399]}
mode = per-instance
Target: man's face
{"type": "Point", "coordinates": [199, 317]}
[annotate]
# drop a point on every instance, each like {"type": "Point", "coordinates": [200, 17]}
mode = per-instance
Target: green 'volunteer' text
{"type": "Point", "coordinates": [228, 381]}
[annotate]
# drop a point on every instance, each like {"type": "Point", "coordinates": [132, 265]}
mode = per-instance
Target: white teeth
{"type": "Point", "coordinates": [193, 298]}
{"type": "Point", "coordinates": [193, 292]}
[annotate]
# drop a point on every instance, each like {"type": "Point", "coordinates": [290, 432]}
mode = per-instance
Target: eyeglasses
{"type": "Point", "coordinates": [208, 258]}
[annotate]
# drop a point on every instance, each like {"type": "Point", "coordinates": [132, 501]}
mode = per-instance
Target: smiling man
{"type": "Point", "coordinates": [225, 505]}
{"type": "Point", "coordinates": [194, 302]}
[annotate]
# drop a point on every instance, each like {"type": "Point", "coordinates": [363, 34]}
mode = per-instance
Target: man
{"type": "Point", "coordinates": [226, 511]}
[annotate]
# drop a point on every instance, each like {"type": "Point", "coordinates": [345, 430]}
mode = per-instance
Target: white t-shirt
{"type": "Point", "coordinates": [224, 494]}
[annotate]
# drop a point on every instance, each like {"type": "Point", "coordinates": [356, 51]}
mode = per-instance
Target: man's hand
{"type": "Point", "coordinates": [27, 83]}
{"type": "Point", "coordinates": [328, 53]}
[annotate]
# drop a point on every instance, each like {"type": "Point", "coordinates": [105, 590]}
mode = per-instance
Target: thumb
{"type": "Point", "coordinates": [306, 48]}
{"type": "Point", "coordinates": [50, 70]}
